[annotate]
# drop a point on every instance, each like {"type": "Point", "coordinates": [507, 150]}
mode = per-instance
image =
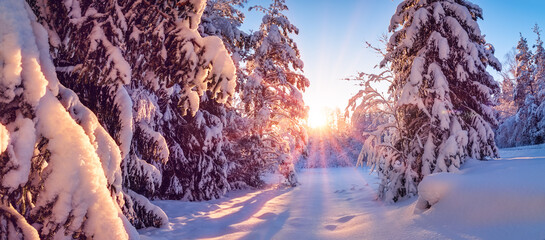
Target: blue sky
{"type": "Point", "coordinates": [332, 36]}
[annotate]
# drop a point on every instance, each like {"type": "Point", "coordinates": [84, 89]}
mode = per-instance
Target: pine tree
{"type": "Point", "coordinates": [505, 102]}
{"type": "Point", "coordinates": [242, 146]}
{"type": "Point", "coordinates": [442, 94]}
{"type": "Point", "coordinates": [523, 74]}
{"type": "Point", "coordinates": [48, 137]}
{"type": "Point", "coordinates": [201, 172]}
{"type": "Point", "coordinates": [539, 62]}
{"type": "Point", "coordinates": [506, 105]}
{"type": "Point", "coordinates": [143, 67]}
{"type": "Point", "coordinates": [529, 81]}
{"type": "Point", "coordinates": [272, 93]}
{"type": "Point", "coordinates": [527, 126]}
{"type": "Point", "coordinates": [539, 81]}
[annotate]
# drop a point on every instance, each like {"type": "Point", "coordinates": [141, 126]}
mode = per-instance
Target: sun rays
{"type": "Point", "coordinates": [317, 117]}
{"type": "Point", "coordinates": [329, 148]}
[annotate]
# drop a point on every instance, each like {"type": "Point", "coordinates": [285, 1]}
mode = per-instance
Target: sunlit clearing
{"type": "Point", "coordinates": [317, 117]}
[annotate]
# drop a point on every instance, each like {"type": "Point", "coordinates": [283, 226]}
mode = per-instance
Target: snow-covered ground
{"type": "Point", "coordinates": [501, 199]}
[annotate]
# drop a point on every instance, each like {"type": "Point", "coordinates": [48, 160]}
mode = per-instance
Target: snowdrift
{"type": "Point", "coordinates": [507, 192]}
{"type": "Point", "coordinates": [499, 199]}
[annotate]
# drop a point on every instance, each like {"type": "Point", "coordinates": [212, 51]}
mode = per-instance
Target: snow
{"type": "Point", "coordinates": [492, 200]}
{"type": "Point", "coordinates": [10, 56]}
{"type": "Point", "coordinates": [152, 174]}
{"type": "Point", "coordinates": [20, 150]}
{"type": "Point", "coordinates": [117, 64]}
{"type": "Point", "coordinates": [74, 8]}
{"type": "Point", "coordinates": [162, 153]}
{"type": "Point", "coordinates": [123, 102]}
{"type": "Point", "coordinates": [106, 147]}
{"type": "Point", "coordinates": [410, 93]}
{"type": "Point", "coordinates": [17, 40]}
{"type": "Point", "coordinates": [499, 199]}
{"type": "Point", "coordinates": [48, 68]}
{"type": "Point", "coordinates": [74, 194]}
{"type": "Point", "coordinates": [442, 45]}
{"type": "Point", "coordinates": [78, 158]}
{"type": "Point", "coordinates": [29, 232]}
{"type": "Point", "coordinates": [4, 138]}
{"type": "Point", "coordinates": [462, 12]}
{"type": "Point", "coordinates": [145, 203]}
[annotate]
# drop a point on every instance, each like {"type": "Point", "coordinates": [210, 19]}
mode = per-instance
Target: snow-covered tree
{"type": "Point", "coordinates": [539, 61]}
{"type": "Point", "coordinates": [505, 102]}
{"type": "Point", "coordinates": [243, 146]}
{"type": "Point", "coordinates": [272, 93]}
{"type": "Point", "coordinates": [538, 120]}
{"type": "Point", "coordinates": [201, 171]}
{"type": "Point", "coordinates": [60, 171]}
{"type": "Point", "coordinates": [523, 74]}
{"type": "Point", "coordinates": [223, 18]}
{"type": "Point", "coordinates": [212, 160]}
{"type": "Point", "coordinates": [141, 69]}
{"type": "Point", "coordinates": [371, 107]}
{"type": "Point", "coordinates": [527, 126]}
{"type": "Point", "coordinates": [244, 151]}
{"type": "Point", "coordinates": [188, 150]}
{"type": "Point", "coordinates": [373, 113]}
{"type": "Point", "coordinates": [442, 95]}
{"type": "Point", "coordinates": [525, 94]}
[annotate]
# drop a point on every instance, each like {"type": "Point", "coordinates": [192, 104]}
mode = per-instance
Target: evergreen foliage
{"type": "Point", "coordinates": [105, 105]}
{"type": "Point", "coordinates": [272, 95]}
{"type": "Point", "coordinates": [442, 95]}
{"type": "Point", "coordinates": [143, 67]}
{"type": "Point", "coordinates": [527, 125]}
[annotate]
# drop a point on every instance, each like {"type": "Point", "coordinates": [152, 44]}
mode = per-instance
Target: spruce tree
{"type": "Point", "coordinates": [442, 94]}
{"type": "Point", "coordinates": [60, 173]}
{"type": "Point", "coordinates": [539, 81]}
{"type": "Point", "coordinates": [272, 93]}
{"type": "Point", "coordinates": [523, 74]}
{"type": "Point", "coordinates": [523, 129]}
{"type": "Point", "coordinates": [142, 68]}
{"type": "Point", "coordinates": [527, 126]}
{"type": "Point", "coordinates": [201, 172]}
{"type": "Point", "coordinates": [539, 62]}
{"type": "Point", "coordinates": [505, 107]}
{"type": "Point", "coordinates": [242, 146]}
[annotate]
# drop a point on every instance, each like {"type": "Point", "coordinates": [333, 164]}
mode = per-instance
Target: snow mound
{"type": "Point", "coordinates": [499, 192]}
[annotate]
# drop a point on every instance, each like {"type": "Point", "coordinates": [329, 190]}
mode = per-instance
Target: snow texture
{"type": "Point", "coordinates": [82, 199]}
{"type": "Point", "coordinates": [499, 199]}
{"type": "Point", "coordinates": [4, 138]}
{"type": "Point", "coordinates": [27, 230]}
{"type": "Point", "coordinates": [20, 150]}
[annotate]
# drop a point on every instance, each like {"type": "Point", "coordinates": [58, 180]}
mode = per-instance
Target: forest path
{"type": "Point", "coordinates": [340, 203]}
{"type": "Point", "coordinates": [334, 203]}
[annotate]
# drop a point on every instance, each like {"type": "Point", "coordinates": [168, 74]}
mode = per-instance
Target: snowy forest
{"type": "Point", "coordinates": [172, 119]}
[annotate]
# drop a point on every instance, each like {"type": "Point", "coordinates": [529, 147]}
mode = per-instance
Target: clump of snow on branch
{"type": "Point", "coordinates": [83, 202]}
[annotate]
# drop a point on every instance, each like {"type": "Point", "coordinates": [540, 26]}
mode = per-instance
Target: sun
{"type": "Point", "coordinates": [317, 117]}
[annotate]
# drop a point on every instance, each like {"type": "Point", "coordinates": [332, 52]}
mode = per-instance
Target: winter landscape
{"type": "Point", "coordinates": [272, 119]}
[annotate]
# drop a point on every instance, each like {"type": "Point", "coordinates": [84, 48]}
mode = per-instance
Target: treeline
{"type": "Point", "coordinates": [521, 107]}
{"type": "Point", "coordinates": [107, 104]}
{"type": "Point", "coordinates": [336, 144]}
